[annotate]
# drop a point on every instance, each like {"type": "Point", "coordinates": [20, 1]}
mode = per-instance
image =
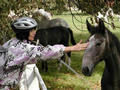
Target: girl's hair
{"type": "Point", "coordinates": [22, 35]}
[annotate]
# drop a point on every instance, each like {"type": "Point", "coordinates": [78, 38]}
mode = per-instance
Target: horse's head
{"type": "Point", "coordinates": [96, 49]}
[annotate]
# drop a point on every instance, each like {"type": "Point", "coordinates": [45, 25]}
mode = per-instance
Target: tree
{"type": "Point", "coordinates": [94, 6]}
{"type": "Point", "coordinates": [54, 6]}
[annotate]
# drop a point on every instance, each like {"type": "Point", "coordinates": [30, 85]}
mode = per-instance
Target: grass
{"type": "Point", "coordinates": [64, 79]}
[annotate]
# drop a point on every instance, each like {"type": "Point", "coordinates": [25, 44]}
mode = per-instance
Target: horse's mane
{"type": "Point", "coordinates": [113, 40]}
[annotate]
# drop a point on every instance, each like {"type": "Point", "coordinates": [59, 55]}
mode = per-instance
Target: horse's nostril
{"type": "Point", "coordinates": [85, 71]}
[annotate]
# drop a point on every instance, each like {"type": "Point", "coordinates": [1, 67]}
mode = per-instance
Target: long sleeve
{"type": "Point", "coordinates": [21, 52]}
{"type": "Point", "coordinates": [49, 52]}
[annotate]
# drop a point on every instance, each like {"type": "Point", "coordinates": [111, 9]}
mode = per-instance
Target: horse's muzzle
{"type": "Point", "coordinates": [86, 71]}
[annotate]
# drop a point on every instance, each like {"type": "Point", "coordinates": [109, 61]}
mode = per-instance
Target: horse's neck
{"type": "Point", "coordinates": [112, 62]}
{"type": "Point", "coordinates": [43, 24]}
{"type": "Point", "coordinates": [44, 19]}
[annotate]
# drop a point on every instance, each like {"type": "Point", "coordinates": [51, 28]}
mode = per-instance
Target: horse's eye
{"type": "Point", "coordinates": [98, 44]}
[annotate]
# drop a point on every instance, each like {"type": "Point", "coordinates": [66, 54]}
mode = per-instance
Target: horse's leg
{"type": "Point", "coordinates": [65, 59]}
{"type": "Point", "coordinates": [69, 59]}
{"type": "Point", "coordinates": [60, 64]}
{"type": "Point", "coordinates": [44, 66]}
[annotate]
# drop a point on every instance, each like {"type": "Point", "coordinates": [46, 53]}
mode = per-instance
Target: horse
{"type": "Point", "coordinates": [103, 45]}
{"type": "Point", "coordinates": [44, 20]}
{"type": "Point", "coordinates": [55, 35]}
{"type": "Point", "coordinates": [45, 23]}
{"type": "Point", "coordinates": [59, 34]}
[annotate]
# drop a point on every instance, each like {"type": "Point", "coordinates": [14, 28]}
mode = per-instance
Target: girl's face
{"type": "Point", "coordinates": [32, 34]}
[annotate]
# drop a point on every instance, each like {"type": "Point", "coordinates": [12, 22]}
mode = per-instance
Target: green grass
{"type": "Point", "coordinates": [64, 79]}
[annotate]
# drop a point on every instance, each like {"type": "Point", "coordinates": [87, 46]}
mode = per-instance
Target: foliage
{"type": "Point", "coordinates": [5, 6]}
{"type": "Point", "coordinates": [20, 8]}
{"type": "Point", "coordinates": [93, 6]}
{"type": "Point", "coordinates": [89, 6]}
{"type": "Point", "coordinates": [116, 8]}
{"type": "Point", "coordinates": [54, 6]}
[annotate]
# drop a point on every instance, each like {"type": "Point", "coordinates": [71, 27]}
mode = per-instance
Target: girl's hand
{"type": "Point", "coordinates": [78, 47]}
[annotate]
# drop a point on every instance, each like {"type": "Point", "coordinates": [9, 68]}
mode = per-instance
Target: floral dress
{"type": "Point", "coordinates": [20, 54]}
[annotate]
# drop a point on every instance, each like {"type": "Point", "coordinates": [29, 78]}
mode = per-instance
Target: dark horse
{"type": "Point", "coordinates": [103, 45]}
{"type": "Point", "coordinates": [55, 35]}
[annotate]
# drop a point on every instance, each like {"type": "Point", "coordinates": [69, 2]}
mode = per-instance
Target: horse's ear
{"type": "Point", "coordinates": [101, 26]}
{"type": "Point", "coordinates": [89, 27]}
